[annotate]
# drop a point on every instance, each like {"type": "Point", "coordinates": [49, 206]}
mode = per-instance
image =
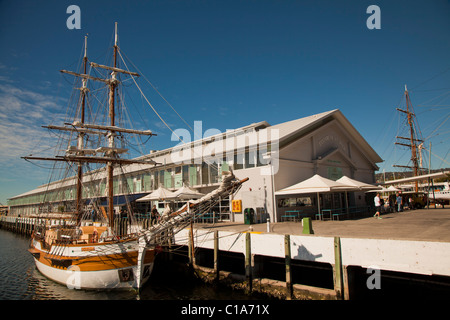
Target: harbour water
{"type": "Point", "coordinates": [20, 280]}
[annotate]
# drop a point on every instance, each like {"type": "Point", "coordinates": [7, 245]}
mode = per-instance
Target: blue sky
{"type": "Point", "coordinates": [229, 64]}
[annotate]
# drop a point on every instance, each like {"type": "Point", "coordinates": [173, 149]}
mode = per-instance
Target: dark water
{"type": "Point", "coordinates": [20, 280]}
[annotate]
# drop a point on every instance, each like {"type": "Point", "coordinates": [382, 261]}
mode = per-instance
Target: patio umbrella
{"type": "Point", "coordinates": [187, 193]}
{"type": "Point", "coordinates": [358, 184]}
{"type": "Point", "coordinates": [394, 189]}
{"type": "Point", "coordinates": [159, 194]}
{"type": "Point", "coordinates": [381, 189]}
{"type": "Point", "coordinates": [316, 184]}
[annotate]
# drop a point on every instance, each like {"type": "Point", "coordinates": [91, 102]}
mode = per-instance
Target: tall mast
{"type": "Point", "coordinates": [110, 168]}
{"type": "Point", "coordinates": [83, 91]}
{"type": "Point", "coordinates": [411, 139]}
{"type": "Point", "coordinates": [105, 154]}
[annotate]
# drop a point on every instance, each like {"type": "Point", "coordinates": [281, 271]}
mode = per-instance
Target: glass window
{"type": "Point", "coordinates": [238, 161]}
{"type": "Point", "coordinates": [250, 159]}
{"type": "Point", "coordinates": [185, 175]}
{"type": "Point", "coordinates": [194, 175]}
{"type": "Point", "coordinates": [161, 178]}
{"type": "Point", "coordinates": [205, 174]}
{"type": "Point", "coordinates": [168, 181]}
{"type": "Point", "coordinates": [213, 172]}
{"type": "Point", "coordinates": [260, 161]}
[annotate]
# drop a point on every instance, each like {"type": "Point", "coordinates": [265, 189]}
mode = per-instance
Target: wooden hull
{"type": "Point", "coordinates": [94, 266]}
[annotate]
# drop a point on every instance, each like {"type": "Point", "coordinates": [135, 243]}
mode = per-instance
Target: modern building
{"type": "Point", "coordinates": [272, 157]}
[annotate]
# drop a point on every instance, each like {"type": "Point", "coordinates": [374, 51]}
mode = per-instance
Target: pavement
{"type": "Point", "coordinates": [417, 225]}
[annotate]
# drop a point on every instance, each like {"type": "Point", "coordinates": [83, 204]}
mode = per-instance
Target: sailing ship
{"type": "Point", "coordinates": [87, 251]}
{"type": "Point", "coordinates": [415, 143]}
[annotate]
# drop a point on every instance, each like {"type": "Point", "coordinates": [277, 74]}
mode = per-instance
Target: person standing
{"type": "Point", "coordinates": [411, 203]}
{"type": "Point", "coordinates": [377, 202]}
{"type": "Point", "coordinates": [154, 215]}
{"type": "Point", "coordinates": [399, 202]}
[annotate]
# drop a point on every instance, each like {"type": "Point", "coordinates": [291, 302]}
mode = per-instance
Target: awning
{"type": "Point", "coordinates": [316, 184]}
{"type": "Point", "coordinates": [383, 189]}
{"type": "Point", "coordinates": [358, 184]}
{"type": "Point", "coordinates": [186, 193]}
{"type": "Point", "coordinates": [159, 194]}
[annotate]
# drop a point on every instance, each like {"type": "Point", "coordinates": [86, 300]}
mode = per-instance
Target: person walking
{"type": "Point", "coordinates": [377, 202]}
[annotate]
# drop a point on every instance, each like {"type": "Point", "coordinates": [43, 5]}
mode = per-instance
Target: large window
{"type": "Point", "coordinates": [185, 175]}
{"type": "Point", "coordinates": [250, 158]}
{"type": "Point", "coordinates": [178, 177]}
{"type": "Point", "coordinates": [194, 175]}
{"type": "Point", "coordinates": [168, 181]}
{"type": "Point", "coordinates": [205, 173]}
{"type": "Point", "coordinates": [260, 161]}
{"type": "Point", "coordinates": [295, 202]}
{"type": "Point", "coordinates": [161, 179]}
{"type": "Point", "coordinates": [238, 162]}
{"type": "Point", "coordinates": [213, 171]}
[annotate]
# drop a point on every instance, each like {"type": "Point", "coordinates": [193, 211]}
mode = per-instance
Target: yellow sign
{"type": "Point", "coordinates": [236, 205]}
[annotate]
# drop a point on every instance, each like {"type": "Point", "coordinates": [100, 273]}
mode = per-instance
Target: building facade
{"type": "Point", "coordinates": [272, 157]}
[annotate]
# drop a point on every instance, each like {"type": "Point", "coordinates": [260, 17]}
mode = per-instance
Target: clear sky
{"type": "Point", "coordinates": [231, 63]}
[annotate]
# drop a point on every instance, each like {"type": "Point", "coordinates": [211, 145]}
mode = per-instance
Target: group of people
{"type": "Point", "coordinates": [379, 204]}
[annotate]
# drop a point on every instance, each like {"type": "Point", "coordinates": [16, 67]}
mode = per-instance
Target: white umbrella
{"type": "Point", "coordinates": [381, 189]}
{"type": "Point", "coordinates": [358, 184]}
{"type": "Point", "coordinates": [317, 184]}
{"type": "Point", "coordinates": [187, 193]}
{"type": "Point", "coordinates": [159, 194]}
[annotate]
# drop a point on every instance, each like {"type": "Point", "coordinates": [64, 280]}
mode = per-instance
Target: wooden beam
{"type": "Point", "coordinates": [96, 65]}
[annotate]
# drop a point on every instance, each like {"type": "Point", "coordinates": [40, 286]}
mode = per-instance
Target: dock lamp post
{"type": "Point", "coordinates": [270, 156]}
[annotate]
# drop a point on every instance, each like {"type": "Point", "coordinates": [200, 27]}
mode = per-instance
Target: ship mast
{"type": "Point", "coordinates": [110, 169]}
{"type": "Point", "coordinates": [107, 155]}
{"type": "Point", "coordinates": [411, 139]}
{"type": "Point", "coordinates": [83, 90]}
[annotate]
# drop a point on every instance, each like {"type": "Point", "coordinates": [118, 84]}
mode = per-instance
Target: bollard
{"type": "Point", "coordinates": [307, 226]}
{"type": "Point", "coordinates": [268, 225]}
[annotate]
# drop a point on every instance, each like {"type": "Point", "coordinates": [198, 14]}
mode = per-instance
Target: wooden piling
{"type": "Point", "coordinates": [216, 255]}
{"type": "Point", "coordinates": [337, 269]}
{"type": "Point", "coordinates": [248, 261]}
{"type": "Point", "coordinates": [287, 253]}
{"type": "Point", "coordinates": [191, 245]}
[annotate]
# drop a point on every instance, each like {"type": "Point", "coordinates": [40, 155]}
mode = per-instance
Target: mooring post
{"type": "Point", "coordinates": [248, 261]}
{"type": "Point", "coordinates": [337, 269]}
{"type": "Point", "coordinates": [348, 282]}
{"type": "Point", "coordinates": [287, 253]}
{"type": "Point", "coordinates": [216, 254]}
